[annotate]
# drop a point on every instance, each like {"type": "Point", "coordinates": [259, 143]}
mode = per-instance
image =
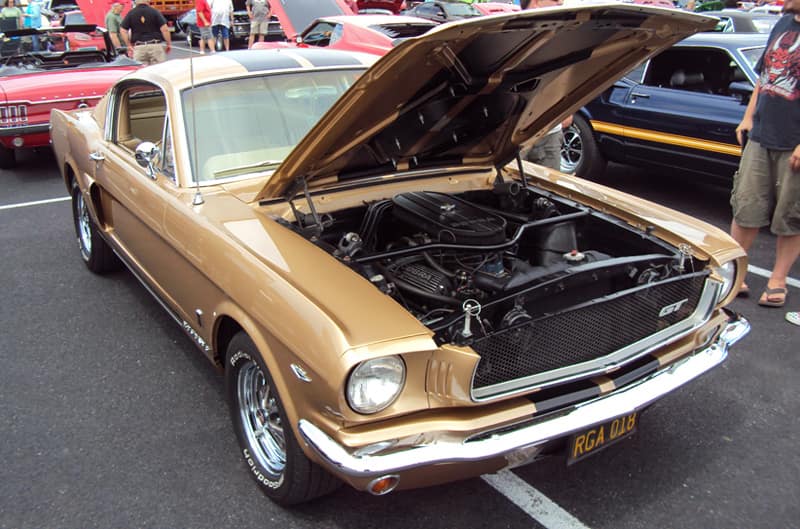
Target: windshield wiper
{"type": "Point", "coordinates": [266, 164]}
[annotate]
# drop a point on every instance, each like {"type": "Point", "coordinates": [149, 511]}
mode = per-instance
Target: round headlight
{"type": "Point", "coordinates": [727, 273]}
{"type": "Point", "coordinates": [374, 384]}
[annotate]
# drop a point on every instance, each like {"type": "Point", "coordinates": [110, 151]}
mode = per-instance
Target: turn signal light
{"type": "Point", "coordinates": [383, 485]}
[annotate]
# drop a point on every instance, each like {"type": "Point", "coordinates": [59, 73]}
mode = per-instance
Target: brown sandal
{"type": "Point", "coordinates": [773, 297]}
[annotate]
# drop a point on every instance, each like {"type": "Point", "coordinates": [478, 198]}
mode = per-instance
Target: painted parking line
{"type": "Point", "coordinates": [534, 503]}
{"type": "Point", "coordinates": [34, 203]}
{"type": "Point", "coordinates": [763, 272]}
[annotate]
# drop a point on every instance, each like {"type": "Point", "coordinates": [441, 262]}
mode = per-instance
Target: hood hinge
{"type": "Point", "coordinates": [316, 224]}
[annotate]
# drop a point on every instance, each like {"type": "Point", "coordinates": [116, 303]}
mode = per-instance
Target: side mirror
{"type": "Point", "coordinates": [146, 153]}
{"type": "Point", "coordinates": [741, 90]}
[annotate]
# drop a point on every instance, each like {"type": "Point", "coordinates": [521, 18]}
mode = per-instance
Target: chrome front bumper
{"type": "Point", "coordinates": [524, 440]}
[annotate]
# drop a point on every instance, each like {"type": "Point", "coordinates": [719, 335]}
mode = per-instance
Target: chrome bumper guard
{"type": "Point", "coordinates": [525, 439]}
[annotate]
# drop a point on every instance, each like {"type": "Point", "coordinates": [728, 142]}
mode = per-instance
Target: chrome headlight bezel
{"type": "Point", "coordinates": [726, 273]}
{"type": "Point", "coordinates": [373, 385]}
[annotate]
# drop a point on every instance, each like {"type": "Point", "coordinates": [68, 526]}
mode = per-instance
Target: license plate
{"type": "Point", "coordinates": [588, 442]}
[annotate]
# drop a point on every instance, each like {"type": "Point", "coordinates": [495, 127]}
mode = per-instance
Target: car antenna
{"type": "Point", "coordinates": [198, 197]}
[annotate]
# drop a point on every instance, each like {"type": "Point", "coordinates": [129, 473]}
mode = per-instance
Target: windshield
{"type": "Point", "coordinates": [248, 126]}
{"type": "Point", "coordinates": [764, 24]}
{"type": "Point", "coordinates": [461, 10]}
{"type": "Point", "coordinates": [30, 50]}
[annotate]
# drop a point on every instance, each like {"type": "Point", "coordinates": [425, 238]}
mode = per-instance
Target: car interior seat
{"type": "Point", "coordinates": [694, 81]}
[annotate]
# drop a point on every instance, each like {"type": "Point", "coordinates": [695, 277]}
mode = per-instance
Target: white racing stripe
{"type": "Point", "coordinates": [763, 272]}
{"type": "Point", "coordinates": [534, 503]}
{"type": "Point", "coordinates": [34, 203]}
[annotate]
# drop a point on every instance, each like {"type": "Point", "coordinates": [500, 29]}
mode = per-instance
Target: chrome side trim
{"type": "Point", "coordinates": [53, 101]}
{"type": "Point", "coordinates": [508, 444]}
{"type": "Point", "coordinates": [610, 362]}
{"type": "Point", "coordinates": [197, 340]}
{"type": "Point", "coordinates": [24, 129]}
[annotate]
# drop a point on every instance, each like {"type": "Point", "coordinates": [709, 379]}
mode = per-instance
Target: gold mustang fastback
{"type": "Point", "coordinates": [396, 301]}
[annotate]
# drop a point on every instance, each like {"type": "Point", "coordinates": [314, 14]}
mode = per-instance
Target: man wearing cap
{"type": "Point", "coordinates": [145, 30]}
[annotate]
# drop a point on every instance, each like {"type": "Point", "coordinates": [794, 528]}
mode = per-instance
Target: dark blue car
{"type": "Point", "coordinates": [677, 111]}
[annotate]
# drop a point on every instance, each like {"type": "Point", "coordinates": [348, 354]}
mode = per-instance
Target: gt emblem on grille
{"type": "Point", "coordinates": [672, 307]}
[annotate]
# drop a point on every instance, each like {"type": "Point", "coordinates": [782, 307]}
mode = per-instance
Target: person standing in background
{"type": "Point", "coordinates": [144, 30]}
{"type": "Point", "coordinates": [221, 20]}
{"type": "Point", "coordinates": [12, 16]}
{"type": "Point", "coordinates": [113, 21]}
{"type": "Point", "coordinates": [203, 11]}
{"type": "Point", "coordinates": [766, 188]}
{"type": "Point", "coordinates": [33, 20]}
{"type": "Point", "coordinates": [259, 13]}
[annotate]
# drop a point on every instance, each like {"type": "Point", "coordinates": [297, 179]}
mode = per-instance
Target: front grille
{"type": "Point", "coordinates": [13, 115]}
{"type": "Point", "coordinates": [584, 333]}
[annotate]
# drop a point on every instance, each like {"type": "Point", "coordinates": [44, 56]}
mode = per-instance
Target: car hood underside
{"type": "Point", "coordinates": [472, 93]}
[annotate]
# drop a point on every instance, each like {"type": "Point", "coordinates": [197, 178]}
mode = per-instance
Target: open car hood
{"type": "Point", "coordinates": [297, 15]}
{"type": "Point", "coordinates": [470, 93]}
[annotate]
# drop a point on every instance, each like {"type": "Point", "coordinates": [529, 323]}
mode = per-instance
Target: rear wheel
{"type": "Point", "coordinates": [266, 439]}
{"type": "Point", "coordinates": [580, 154]}
{"type": "Point", "coordinates": [95, 252]}
{"type": "Point", "coordinates": [8, 158]}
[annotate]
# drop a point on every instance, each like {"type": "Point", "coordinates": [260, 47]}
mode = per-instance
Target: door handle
{"type": "Point", "coordinates": [97, 156]}
{"type": "Point", "coordinates": [639, 94]}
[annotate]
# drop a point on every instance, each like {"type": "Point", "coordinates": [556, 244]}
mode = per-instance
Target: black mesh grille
{"type": "Point", "coordinates": [585, 332]}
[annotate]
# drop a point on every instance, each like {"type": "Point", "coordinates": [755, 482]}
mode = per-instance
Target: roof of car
{"type": "Point", "coordinates": [182, 73]}
{"type": "Point", "coordinates": [735, 13]}
{"type": "Point", "coordinates": [727, 40]}
{"type": "Point", "coordinates": [376, 20]}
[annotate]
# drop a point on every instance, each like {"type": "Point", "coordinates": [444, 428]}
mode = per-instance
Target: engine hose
{"type": "Point", "coordinates": [436, 266]}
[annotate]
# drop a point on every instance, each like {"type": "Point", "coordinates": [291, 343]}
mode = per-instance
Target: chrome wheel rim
{"type": "Point", "coordinates": [571, 150]}
{"type": "Point", "coordinates": [84, 227]}
{"type": "Point", "coordinates": [261, 419]}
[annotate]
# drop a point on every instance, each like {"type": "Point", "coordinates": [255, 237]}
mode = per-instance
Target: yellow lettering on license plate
{"type": "Point", "coordinates": [588, 442]}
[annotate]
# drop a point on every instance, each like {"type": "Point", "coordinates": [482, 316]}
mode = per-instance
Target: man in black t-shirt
{"type": "Point", "coordinates": [144, 31]}
{"type": "Point", "coordinates": [766, 189]}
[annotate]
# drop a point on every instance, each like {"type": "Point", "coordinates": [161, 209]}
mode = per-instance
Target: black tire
{"type": "Point", "coordinates": [8, 158]}
{"type": "Point", "coordinates": [95, 251]}
{"type": "Point", "coordinates": [267, 442]}
{"type": "Point", "coordinates": [580, 154]}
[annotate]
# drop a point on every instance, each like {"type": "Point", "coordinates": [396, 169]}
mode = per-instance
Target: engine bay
{"type": "Point", "coordinates": [470, 264]}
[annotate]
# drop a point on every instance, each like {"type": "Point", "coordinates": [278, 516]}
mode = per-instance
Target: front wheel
{"type": "Point", "coordinates": [8, 158]}
{"type": "Point", "coordinates": [266, 440]}
{"type": "Point", "coordinates": [95, 251]}
{"type": "Point", "coordinates": [580, 154]}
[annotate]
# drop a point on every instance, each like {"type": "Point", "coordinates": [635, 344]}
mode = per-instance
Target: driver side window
{"type": "Point", "coordinates": [141, 114]}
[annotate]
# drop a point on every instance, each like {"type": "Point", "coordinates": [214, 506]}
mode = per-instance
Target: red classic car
{"type": "Point", "coordinates": [491, 8]}
{"type": "Point", "coordinates": [374, 34]}
{"type": "Point", "coordinates": [41, 70]}
{"type": "Point", "coordinates": [395, 6]}
{"type": "Point", "coordinates": [299, 14]}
